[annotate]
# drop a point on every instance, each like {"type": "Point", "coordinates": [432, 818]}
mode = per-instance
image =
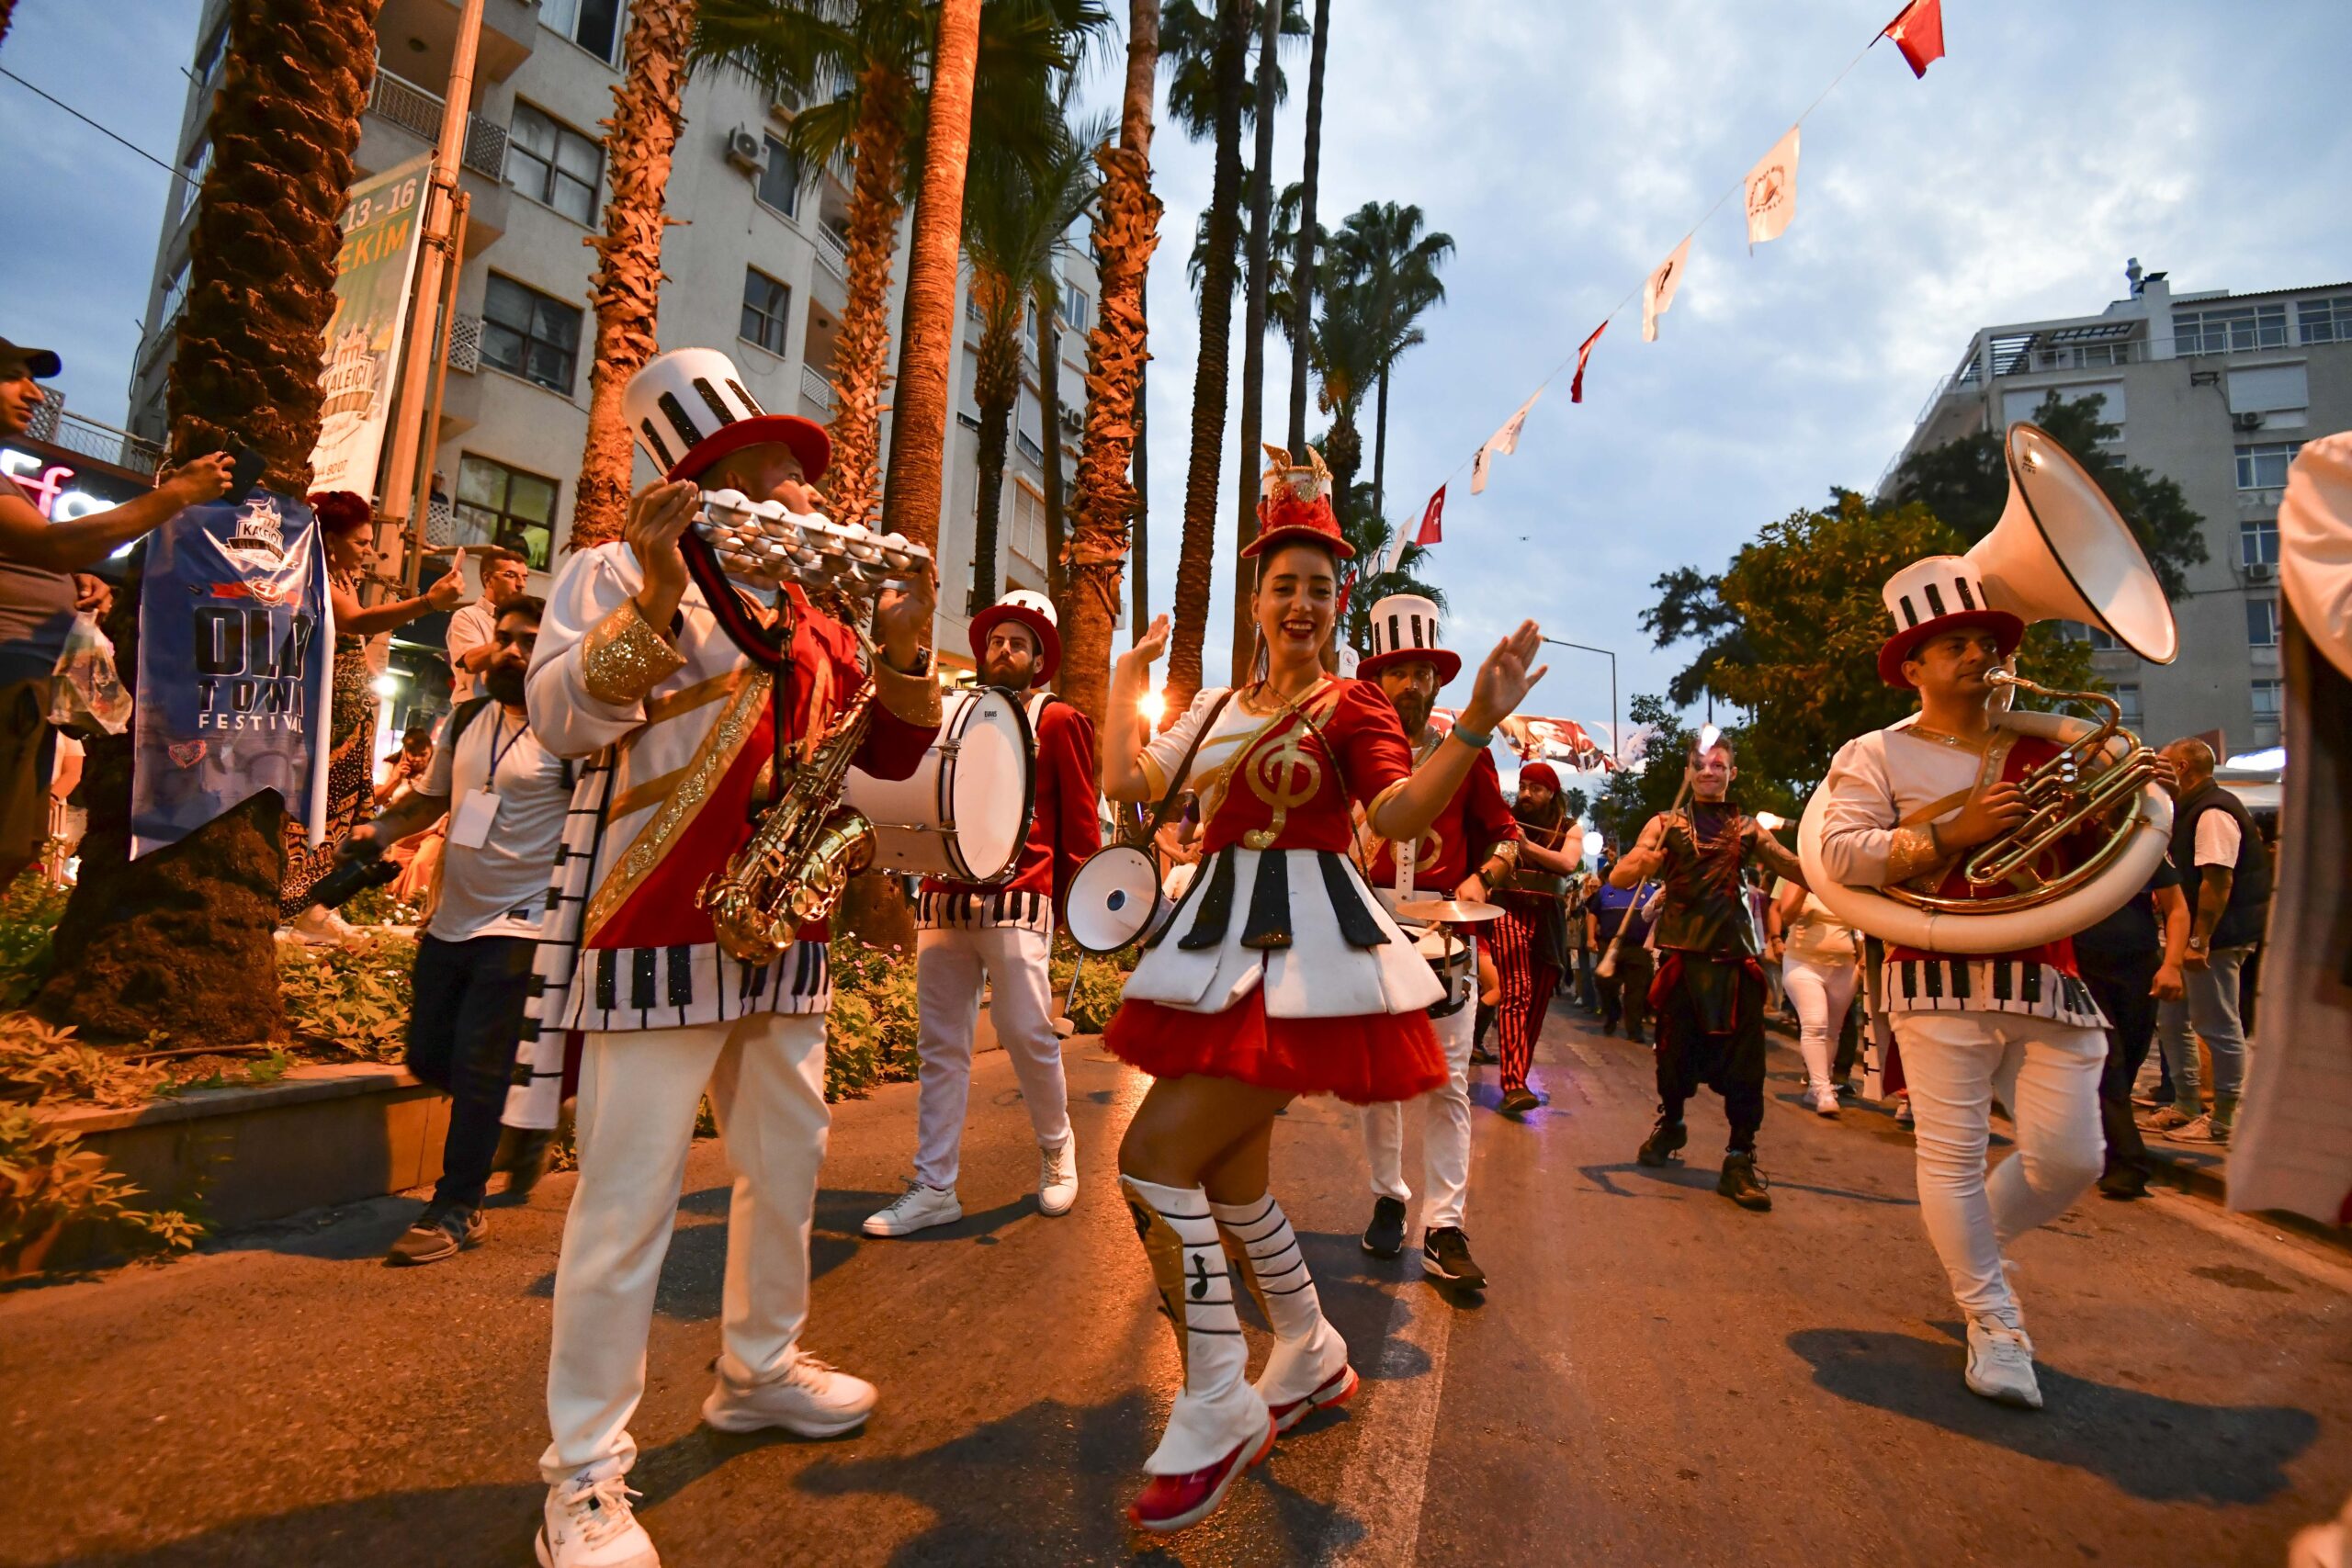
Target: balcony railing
{"type": "Point", "coordinates": [832, 251]}
{"type": "Point", "coordinates": [465, 344]}
{"type": "Point", "coordinates": [418, 113]}
{"type": "Point", "coordinates": [106, 444]}
{"type": "Point", "coordinates": [817, 389]}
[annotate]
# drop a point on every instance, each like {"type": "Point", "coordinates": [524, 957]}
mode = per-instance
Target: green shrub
{"type": "Point", "coordinates": [42, 1064]}
{"type": "Point", "coordinates": [356, 997]}
{"type": "Point", "coordinates": [47, 1179]}
{"type": "Point", "coordinates": [30, 910]}
{"type": "Point", "coordinates": [871, 1031]}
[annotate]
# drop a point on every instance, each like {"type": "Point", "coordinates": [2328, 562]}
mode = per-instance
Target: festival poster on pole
{"type": "Point", "coordinates": [236, 637]}
{"type": "Point", "coordinates": [373, 271]}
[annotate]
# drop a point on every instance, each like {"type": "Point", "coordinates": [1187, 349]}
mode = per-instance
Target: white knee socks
{"type": "Point", "coordinates": [1218, 1411]}
{"type": "Point", "coordinates": [1307, 1350]}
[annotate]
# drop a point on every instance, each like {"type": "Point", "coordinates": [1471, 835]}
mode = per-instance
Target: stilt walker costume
{"type": "Point", "coordinates": [1001, 935]}
{"type": "Point", "coordinates": [686, 734]}
{"type": "Point", "coordinates": [2020, 1026]}
{"type": "Point", "coordinates": [1281, 969]}
{"type": "Point", "coordinates": [1474, 836]}
{"type": "Point", "coordinates": [1708, 997]}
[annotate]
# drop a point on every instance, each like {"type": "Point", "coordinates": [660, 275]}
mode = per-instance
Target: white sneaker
{"type": "Point", "coordinates": [1823, 1100]}
{"type": "Point", "coordinates": [812, 1399]}
{"type": "Point", "coordinates": [1057, 1177]}
{"type": "Point", "coordinates": [2000, 1363]}
{"type": "Point", "coordinates": [589, 1524]}
{"type": "Point", "coordinates": [918, 1208]}
{"type": "Point", "coordinates": [319, 926]}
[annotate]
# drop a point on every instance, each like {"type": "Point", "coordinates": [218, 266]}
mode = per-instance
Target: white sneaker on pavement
{"type": "Point", "coordinates": [812, 1399]}
{"type": "Point", "coordinates": [918, 1208]}
{"type": "Point", "coordinates": [1057, 1177]}
{"type": "Point", "coordinates": [1823, 1100]}
{"type": "Point", "coordinates": [587, 1523]}
{"type": "Point", "coordinates": [2000, 1362]}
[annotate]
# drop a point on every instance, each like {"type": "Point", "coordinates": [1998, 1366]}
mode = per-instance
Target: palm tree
{"type": "Point", "coordinates": [1254, 336]}
{"type": "Point", "coordinates": [627, 290]}
{"type": "Point", "coordinates": [1307, 236]}
{"type": "Point", "coordinates": [181, 942]}
{"type": "Point", "coordinates": [1346, 352]}
{"type": "Point", "coordinates": [1127, 228]}
{"type": "Point", "coordinates": [1080, 173]}
{"type": "Point", "coordinates": [1016, 224]}
{"type": "Point", "coordinates": [1382, 248]}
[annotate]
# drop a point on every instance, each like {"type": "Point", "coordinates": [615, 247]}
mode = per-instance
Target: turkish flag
{"type": "Point", "coordinates": [1583, 352]}
{"type": "Point", "coordinates": [1432, 520]}
{"type": "Point", "coordinates": [1918, 32]}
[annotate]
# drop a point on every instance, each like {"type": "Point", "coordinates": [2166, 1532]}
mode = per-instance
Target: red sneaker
{"type": "Point", "coordinates": [1337, 1389]}
{"type": "Point", "coordinates": [1171, 1502]}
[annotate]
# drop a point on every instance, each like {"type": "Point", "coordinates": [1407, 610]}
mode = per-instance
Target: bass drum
{"type": "Point", "coordinates": [1930, 931]}
{"type": "Point", "coordinates": [1114, 898]}
{"type": "Point", "coordinates": [964, 812]}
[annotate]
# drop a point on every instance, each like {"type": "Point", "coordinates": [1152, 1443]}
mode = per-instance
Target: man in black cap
{"type": "Point", "coordinates": [40, 592]}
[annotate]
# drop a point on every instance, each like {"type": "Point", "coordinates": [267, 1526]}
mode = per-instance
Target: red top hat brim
{"type": "Point", "coordinates": [1049, 641]}
{"type": "Point", "coordinates": [805, 436]}
{"type": "Point", "coordinates": [1448, 663]}
{"type": "Point", "coordinates": [1905, 643]}
{"type": "Point", "coordinates": [1299, 533]}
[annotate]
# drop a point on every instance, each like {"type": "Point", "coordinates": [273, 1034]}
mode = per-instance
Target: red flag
{"type": "Point", "coordinates": [1918, 32]}
{"type": "Point", "coordinates": [1583, 352]}
{"type": "Point", "coordinates": [1432, 520]}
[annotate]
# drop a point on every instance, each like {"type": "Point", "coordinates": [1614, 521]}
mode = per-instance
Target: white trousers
{"type": "Point", "coordinates": [949, 967]}
{"type": "Point", "coordinates": [1822, 993]}
{"type": "Point", "coordinates": [1445, 1132]}
{"type": "Point", "coordinates": [2047, 1074]}
{"type": "Point", "coordinates": [639, 1093]}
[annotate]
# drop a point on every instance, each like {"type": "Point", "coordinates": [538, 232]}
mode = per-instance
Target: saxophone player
{"type": "Point", "coordinates": [686, 737]}
{"type": "Point", "coordinates": [1904, 807]}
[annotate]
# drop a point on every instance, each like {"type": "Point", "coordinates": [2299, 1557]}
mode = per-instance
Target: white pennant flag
{"type": "Point", "coordinates": [1657, 294]}
{"type": "Point", "coordinates": [1504, 441]}
{"type": "Point", "coordinates": [1772, 191]}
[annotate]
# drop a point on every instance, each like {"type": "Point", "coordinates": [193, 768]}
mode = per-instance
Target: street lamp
{"type": "Point", "coordinates": [1616, 745]}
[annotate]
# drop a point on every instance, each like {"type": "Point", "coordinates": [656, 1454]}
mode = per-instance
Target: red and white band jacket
{"type": "Point", "coordinates": [679, 727]}
{"type": "Point", "coordinates": [1884, 790]}
{"type": "Point", "coordinates": [1474, 825]}
{"type": "Point", "coordinates": [1065, 826]}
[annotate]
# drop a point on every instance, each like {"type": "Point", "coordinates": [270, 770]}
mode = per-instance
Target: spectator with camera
{"type": "Point", "coordinates": [505, 797]}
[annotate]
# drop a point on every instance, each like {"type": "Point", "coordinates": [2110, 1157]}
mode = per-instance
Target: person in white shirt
{"type": "Point", "coordinates": [505, 796]}
{"type": "Point", "coordinates": [505, 577]}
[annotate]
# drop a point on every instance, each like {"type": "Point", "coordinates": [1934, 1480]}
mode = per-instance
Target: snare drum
{"type": "Point", "coordinates": [964, 812]}
{"type": "Point", "coordinates": [1454, 963]}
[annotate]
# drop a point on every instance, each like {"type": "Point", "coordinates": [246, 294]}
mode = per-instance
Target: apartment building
{"type": "Point", "coordinates": [2215, 390]}
{"type": "Point", "coordinates": [755, 266]}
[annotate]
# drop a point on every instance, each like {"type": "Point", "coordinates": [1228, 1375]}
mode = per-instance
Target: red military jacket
{"type": "Point", "coordinates": [1465, 832]}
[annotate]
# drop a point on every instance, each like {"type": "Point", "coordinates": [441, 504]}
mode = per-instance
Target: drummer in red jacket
{"type": "Point", "coordinates": [1001, 934]}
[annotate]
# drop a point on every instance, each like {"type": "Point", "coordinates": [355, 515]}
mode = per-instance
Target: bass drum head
{"type": "Point", "coordinates": [1112, 899]}
{"type": "Point", "coordinates": [991, 789]}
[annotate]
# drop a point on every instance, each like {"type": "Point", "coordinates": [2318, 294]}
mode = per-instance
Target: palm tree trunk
{"type": "Point", "coordinates": [853, 485]}
{"type": "Point", "coordinates": [1380, 449]}
{"type": "Point", "coordinates": [1049, 410]}
{"type": "Point", "coordinates": [997, 387]}
{"type": "Point", "coordinates": [1126, 229]}
{"type": "Point", "coordinates": [1303, 267]}
{"type": "Point", "coordinates": [181, 940]}
{"type": "Point", "coordinates": [1253, 341]}
{"type": "Point", "coordinates": [918, 414]}
{"type": "Point", "coordinates": [627, 287]}
{"type": "Point", "coordinates": [1196, 555]}
{"type": "Point", "coordinates": [1139, 544]}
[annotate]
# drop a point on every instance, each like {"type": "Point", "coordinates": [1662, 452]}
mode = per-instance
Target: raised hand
{"type": "Point", "coordinates": [1504, 680]}
{"type": "Point", "coordinates": [901, 616]}
{"type": "Point", "coordinates": [1149, 647]}
{"type": "Point", "coordinates": [658, 518]}
{"type": "Point", "coordinates": [200, 480]}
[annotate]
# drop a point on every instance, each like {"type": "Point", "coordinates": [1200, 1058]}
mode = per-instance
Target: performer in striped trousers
{"type": "Point", "coordinates": [1530, 940]}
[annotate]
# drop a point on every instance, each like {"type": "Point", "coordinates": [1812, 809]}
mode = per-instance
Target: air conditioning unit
{"type": "Point", "coordinates": [2246, 421]}
{"type": "Point", "coordinates": [746, 149]}
{"type": "Point", "coordinates": [2257, 572]}
{"type": "Point", "coordinates": [788, 102]}
{"type": "Point", "coordinates": [1074, 420]}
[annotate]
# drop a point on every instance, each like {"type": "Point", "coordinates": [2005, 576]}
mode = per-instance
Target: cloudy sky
{"type": "Point", "coordinates": [1567, 148]}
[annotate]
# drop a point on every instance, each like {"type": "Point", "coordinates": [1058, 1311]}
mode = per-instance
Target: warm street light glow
{"type": "Point", "coordinates": [386, 685]}
{"type": "Point", "coordinates": [1770, 823]}
{"type": "Point", "coordinates": [1153, 705]}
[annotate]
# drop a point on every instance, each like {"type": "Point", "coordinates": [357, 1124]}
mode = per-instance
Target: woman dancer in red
{"type": "Point", "coordinates": [1279, 974]}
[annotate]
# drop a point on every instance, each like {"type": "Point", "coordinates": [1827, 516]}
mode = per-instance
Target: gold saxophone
{"type": "Point", "coordinates": [803, 854]}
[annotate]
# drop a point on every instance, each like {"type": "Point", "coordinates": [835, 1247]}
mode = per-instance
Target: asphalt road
{"type": "Point", "coordinates": [1655, 1376]}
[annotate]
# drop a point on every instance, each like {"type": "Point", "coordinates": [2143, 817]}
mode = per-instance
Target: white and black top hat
{"type": "Point", "coordinates": [1404, 627]}
{"type": "Point", "coordinates": [1938, 593]}
{"type": "Point", "coordinates": [689, 408]}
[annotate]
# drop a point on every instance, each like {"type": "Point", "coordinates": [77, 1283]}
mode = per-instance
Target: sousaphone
{"type": "Point", "coordinates": [2061, 551]}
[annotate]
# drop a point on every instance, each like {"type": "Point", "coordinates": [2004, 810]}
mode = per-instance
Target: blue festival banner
{"type": "Point", "coordinates": [236, 639]}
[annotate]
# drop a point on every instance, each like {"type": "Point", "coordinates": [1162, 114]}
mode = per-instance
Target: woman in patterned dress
{"type": "Point", "coordinates": [1279, 974]}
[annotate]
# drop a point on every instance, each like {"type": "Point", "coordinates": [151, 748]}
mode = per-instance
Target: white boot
{"type": "Point", "coordinates": [1308, 1367]}
{"type": "Point", "coordinates": [1057, 1175]}
{"type": "Point", "coordinates": [1217, 1412]}
{"type": "Point", "coordinates": [587, 1523]}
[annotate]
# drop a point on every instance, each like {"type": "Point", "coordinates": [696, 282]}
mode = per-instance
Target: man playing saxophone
{"type": "Point", "coordinates": [1905, 806]}
{"type": "Point", "coordinates": [697, 710]}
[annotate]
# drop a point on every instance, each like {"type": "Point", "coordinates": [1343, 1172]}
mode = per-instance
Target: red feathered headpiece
{"type": "Point", "coordinates": [1295, 503]}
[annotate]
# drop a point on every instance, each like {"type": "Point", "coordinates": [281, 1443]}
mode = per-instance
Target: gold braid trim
{"type": "Point", "coordinates": [622, 658]}
{"type": "Point", "coordinates": [911, 697]}
{"type": "Point", "coordinates": [1909, 851]}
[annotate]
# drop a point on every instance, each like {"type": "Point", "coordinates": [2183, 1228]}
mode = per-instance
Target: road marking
{"type": "Point", "coordinates": [1388, 1471]}
{"type": "Point", "coordinates": [2254, 1236]}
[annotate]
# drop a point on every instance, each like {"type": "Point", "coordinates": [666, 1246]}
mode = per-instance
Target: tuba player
{"type": "Point", "coordinates": [1905, 806]}
{"type": "Point", "coordinates": [642, 670]}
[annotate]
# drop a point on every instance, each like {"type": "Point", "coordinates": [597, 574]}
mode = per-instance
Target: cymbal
{"type": "Point", "coordinates": [1449, 911]}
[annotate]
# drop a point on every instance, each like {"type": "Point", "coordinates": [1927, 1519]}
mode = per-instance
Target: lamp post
{"type": "Point", "coordinates": [1616, 745]}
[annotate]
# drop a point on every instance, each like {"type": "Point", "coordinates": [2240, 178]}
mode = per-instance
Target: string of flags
{"type": "Point", "coordinates": [1769, 194]}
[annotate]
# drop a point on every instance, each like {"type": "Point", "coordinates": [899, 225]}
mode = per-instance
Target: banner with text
{"type": "Point", "coordinates": [236, 641]}
{"type": "Point", "coordinates": [382, 228]}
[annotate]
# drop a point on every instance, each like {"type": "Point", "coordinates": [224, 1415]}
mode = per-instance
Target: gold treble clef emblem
{"type": "Point", "coordinates": [1283, 775]}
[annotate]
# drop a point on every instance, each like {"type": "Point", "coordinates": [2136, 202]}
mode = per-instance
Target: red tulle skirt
{"type": "Point", "coordinates": [1365, 1058]}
